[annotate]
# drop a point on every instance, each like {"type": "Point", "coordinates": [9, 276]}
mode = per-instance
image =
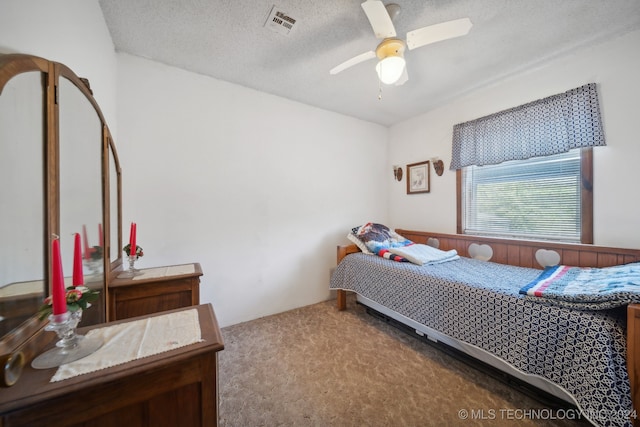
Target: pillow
{"type": "Point", "coordinates": [359, 243]}
{"type": "Point", "coordinates": [379, 238]}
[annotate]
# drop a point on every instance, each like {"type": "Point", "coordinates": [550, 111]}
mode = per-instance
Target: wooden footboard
{"type": "Point", "coordinates": [522, 253]}
{"type": "Point", "coordinates": [633, 355]}
{"type": "Point", "coordinates": [342, 299]}
{"type": "Point", "coordinates": [343, 251]}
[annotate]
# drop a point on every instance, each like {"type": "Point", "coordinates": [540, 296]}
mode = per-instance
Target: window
{"type": "Point", "coordinates": [526, 172]}
{"type": "Point", "coordinates": [540, 198]}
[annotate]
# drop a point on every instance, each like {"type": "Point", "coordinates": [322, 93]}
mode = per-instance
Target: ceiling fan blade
{"type": "Point", "coordinates": [403, 77]}
{"type": "Point", "coordinates": [379, 19]}
{"type": "Point", "coordinates": [438, 32]}
{"type": "Point", "coordinates": [353, 61]}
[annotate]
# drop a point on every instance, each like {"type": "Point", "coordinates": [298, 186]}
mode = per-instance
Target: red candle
{"type": "Point", "coordinates": [132, 240]}
{"type": "Point", "coordinates": [59, 299]}
{"type": "Point", "coordinates": [78, 277]}
{"type": "Point", "coordinates": [87, 253]}
{"type": "Point", "coordinates": [100, 235]}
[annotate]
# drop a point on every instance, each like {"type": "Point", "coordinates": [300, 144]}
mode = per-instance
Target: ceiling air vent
{"type": "Point", "coordinates": [279, 21]}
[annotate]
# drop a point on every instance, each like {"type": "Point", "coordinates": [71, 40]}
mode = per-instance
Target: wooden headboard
{"type": "Point", "coordinates": [523, 253]}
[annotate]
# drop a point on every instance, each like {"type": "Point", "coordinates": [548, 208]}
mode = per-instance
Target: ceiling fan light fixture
{"type": "Point", "coordinates": [390, 69]}
{"type": "Point", "coordinates": [391, 65]}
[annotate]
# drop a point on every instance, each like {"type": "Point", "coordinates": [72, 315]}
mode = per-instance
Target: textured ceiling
{"type": "Point", "coordinates": [228, 40]}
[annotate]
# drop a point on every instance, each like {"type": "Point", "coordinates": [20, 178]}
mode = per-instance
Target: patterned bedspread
{"type": "Point", "coordinates": [479, 303]}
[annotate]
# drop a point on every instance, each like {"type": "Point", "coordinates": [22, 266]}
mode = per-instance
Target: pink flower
{"type": "Point", "coordinates": [73, 296]}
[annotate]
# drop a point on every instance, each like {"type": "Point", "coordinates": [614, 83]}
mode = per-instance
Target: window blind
{"type": "Point", "coordinates": [536, 199]}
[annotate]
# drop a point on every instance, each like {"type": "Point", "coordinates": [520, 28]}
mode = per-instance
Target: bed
{"type": "Point", "coordinates": [586, 355]}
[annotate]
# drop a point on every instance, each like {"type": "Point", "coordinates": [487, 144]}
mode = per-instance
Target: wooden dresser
{"type": "Point", "coordinates": [155, 289]}
{"type": "Point", "coordinates": [175, 388]}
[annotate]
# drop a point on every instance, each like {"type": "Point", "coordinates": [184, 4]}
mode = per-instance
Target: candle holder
{"type": "Point", "coordinates": [71, 346]}
{"type": "Point", "coordinates": [94, 265]}
{"type": "Point", "coordinates": [131, 272]}
{"type": "Point", "coordinates": [132, 258]}
{"type": "Point", "coordinates": [95, 260]}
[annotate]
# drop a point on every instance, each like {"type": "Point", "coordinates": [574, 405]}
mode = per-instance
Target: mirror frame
{"type": "Point", "coordinates": [10, 66]}
{"type": "Point", "coordinates": [19, 341]}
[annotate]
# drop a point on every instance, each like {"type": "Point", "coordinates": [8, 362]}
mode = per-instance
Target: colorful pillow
{"type": "Point", "coordinates": [359, 243]}
{"type": "Point", "coordinates": [379, 238]}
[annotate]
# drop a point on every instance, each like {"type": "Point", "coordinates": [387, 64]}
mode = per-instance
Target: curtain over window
{"type": "Point", "coordinates": [544, 127]}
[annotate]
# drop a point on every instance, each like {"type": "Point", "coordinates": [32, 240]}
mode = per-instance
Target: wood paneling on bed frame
{"type": "Point", "coordinates": [523, 253]}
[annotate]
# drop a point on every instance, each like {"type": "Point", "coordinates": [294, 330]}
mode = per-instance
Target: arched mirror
{"type": "Point", "coordinates": [60, 176]}
{"type": "Point", "coordinates": [22, 211]}
{"type": "Point", "coordinates": [80, 194]}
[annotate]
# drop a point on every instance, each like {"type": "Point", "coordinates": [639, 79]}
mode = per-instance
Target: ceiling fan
{"type": "Point", "coordinates": [391, 67]}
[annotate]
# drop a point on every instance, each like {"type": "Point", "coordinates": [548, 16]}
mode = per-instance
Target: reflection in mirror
{"type": "Point", "coordinates": [22, 268]}
{"type": "Point", "coordinates": [81, 191]}
{"type": "Point", "coordinates": [114, 178]}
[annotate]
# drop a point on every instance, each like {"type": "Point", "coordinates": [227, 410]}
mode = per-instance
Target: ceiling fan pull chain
{"type": "Point", "coordinates": [379, 90]}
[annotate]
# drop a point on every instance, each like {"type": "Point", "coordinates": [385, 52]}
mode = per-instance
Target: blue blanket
{"type": "Point", "coordinates": [607, 287]}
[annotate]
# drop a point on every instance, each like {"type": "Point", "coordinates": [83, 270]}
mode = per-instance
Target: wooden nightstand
{"type": "Point", "coordinates": [154, 290]}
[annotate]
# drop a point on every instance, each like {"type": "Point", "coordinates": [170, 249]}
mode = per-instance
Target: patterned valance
{"type": "Point", "coordinates": [540, 128]}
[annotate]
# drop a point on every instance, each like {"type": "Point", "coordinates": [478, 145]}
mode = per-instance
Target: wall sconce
{"type": "Point", "coordinates": [397, 172]}
{"type": "Point", "coordinates": [438, 166]}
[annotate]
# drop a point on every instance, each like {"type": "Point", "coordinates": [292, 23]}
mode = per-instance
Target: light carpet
{"type": "Point", "coordinates": [316, 366]}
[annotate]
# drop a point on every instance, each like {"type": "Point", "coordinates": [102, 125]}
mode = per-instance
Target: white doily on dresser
{"type": "Point", "coordinates": [174, 270]}
{"type": "Point", "coordinates": [134, 340]}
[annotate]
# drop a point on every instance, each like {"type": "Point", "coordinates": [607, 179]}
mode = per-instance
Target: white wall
{"type": "Point", "coordinates": [612, 65]}
{"type": "Point", "coordinates": [258, 189]}
{"type": "Point", "coordinates": [72, 32]}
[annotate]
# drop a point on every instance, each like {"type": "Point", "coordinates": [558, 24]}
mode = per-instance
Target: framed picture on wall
{"type": "Point", "coordinates": [418, 177]}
